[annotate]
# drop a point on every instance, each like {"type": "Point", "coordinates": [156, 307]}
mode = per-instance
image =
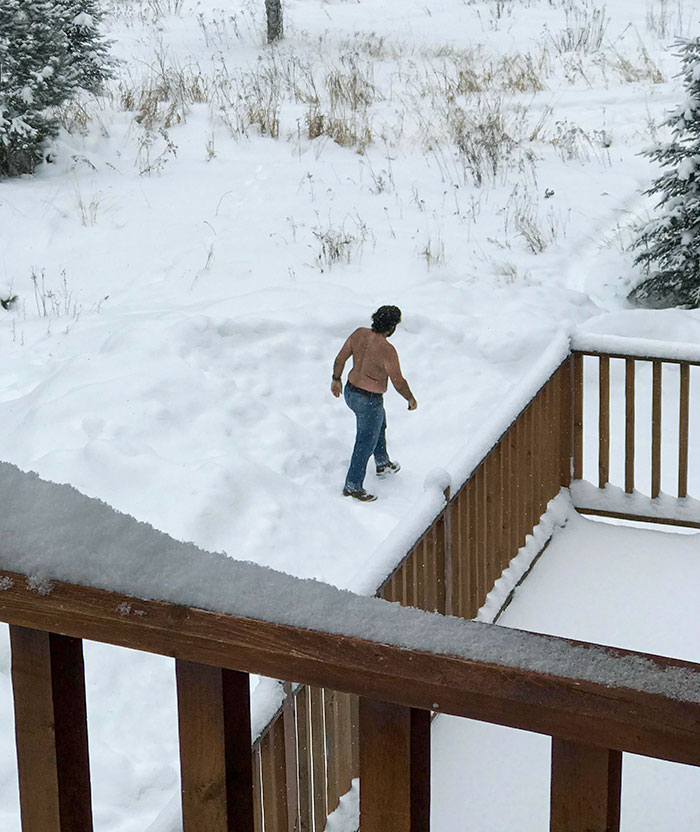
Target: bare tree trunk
{"type": "Point", "coordinates": [273, 9]}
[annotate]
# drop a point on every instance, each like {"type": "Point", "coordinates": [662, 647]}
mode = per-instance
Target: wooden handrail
{"type": "Point", "coordinates": [571, 708]}
{"type": "Point", "coordinates": [625, 356]}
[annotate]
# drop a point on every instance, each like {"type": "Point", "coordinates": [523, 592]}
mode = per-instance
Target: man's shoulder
{"type": "Point", "coordinates": [361, 333]}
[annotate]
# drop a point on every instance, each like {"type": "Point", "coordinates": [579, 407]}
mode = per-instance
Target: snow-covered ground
{"type": "Point", "coordinates": [213, 227]}
{"type": "Point", "coordinates": [596, 582]}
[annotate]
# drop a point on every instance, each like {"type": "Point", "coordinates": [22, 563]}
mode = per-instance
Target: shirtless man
{"type": "Point", "coordinates": [374, 361]}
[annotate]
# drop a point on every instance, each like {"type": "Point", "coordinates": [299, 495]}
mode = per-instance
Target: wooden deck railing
{"type": "Point", "coordinates": [659, 413]}
{"type": "Point", "coordinates": [591, 718]}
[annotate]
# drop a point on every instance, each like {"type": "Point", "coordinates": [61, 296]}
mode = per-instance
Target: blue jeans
{"type": "Point", "coordinates": [371, 433]}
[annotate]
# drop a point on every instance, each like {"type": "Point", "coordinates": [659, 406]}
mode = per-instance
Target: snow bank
{"type": "Point", "coordinates": [613, 498]}
{"type": "Point", "coordinates": [52, 532]}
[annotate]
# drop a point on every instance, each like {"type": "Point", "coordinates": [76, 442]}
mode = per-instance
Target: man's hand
{"type": "Point", "coordinates": [412, 404]}
{"type": "Point", "coordinates": [336, 388]}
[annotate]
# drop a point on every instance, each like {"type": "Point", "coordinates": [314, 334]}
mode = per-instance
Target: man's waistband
{"type": "Point", "coordinates": [362, 392]}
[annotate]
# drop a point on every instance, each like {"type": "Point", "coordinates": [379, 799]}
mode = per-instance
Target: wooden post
{"type": "Point", "coordinates": [629, 424]}
{"type": "Point", "coordinates": [446, 585]}
{"type": "Point", "coordinates": [577, 416]}
{"type": "Point", "coordinates": [585, 788]}
{"type": "Point", "coordinates": [48, 683]}
{"type": "Point", "coordinates": [603, 421]}
{"type": "Point", "coordinates": [683, 418]}
{"type": "Point", "coordinates": [394, 768]}
{"type": "Point", "coordinates": [215, 748]}
{"type": "Point", "coordinates": [656, 429]}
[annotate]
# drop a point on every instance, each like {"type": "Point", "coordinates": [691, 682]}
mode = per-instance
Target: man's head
{"type": "Point", "coordinates": [386, 319]}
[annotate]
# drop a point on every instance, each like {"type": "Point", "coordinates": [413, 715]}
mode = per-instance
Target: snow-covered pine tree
{"type": "Point", "coordinates": [48, 50]}
{"type": "Point", "coordinates": [669, 244]}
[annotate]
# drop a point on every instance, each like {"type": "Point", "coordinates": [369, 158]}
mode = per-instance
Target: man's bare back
{"type": "Point", "coordinates": [374, 362]}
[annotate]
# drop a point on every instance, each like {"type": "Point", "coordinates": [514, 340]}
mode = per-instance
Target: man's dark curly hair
{"type": "Point", "coordinates": [386, 318]}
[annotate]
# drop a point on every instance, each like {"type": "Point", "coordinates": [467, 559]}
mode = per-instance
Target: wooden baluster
{"type": "Point", "coordinates": [537, 457]}
{"type": "Point", "coordinates": [566, 422]}
{"type": "Point", "coordinates": [496, 511]}
{"type": "Point", "coordinates": [394, 768]}
{"type": "Point", "coordinates": [445, 566]}
{"type": "Point", "coordinates": [603, 421]}
{"type": "Point", "coordinates": [344, 743]}
{"type": "Point", "coordinates": [480, 520]}
{"type": "Point", "coordinates": [332, 756]}
{"type": "Point", "coordinates": [473, 548]}
{"type": "Point", "coordinates": [257, 790]}
{"type": "Point", "coordinates": [355, 734]}
{"type": "Point", "coordinates": [318, 759]}
{"type": "Point", "coordinates": [656, 429]}
{"type": "Point", "coordinates": [683, 418]}
{"type": "Point", "coordinates": [48, 684]}
{"type": "Point", "coordinates": [629, 424]}
{"type": "Point", "coordinates": [290, 758]}
{"type": "Point", "coordinates": [215, 755]}
{"type": "Point", "coordinates": [577, 415]}
{"type": "Point", "coordinates": [460, 573]}
{"type": "Point", "coordinates": [514, 491]}
{"type": "Point", "coordinates": [506, 517]}
{"type": "Point", "coordinates": [274, 777]}
{"type": "Point", "coordinates": [585, 788]}
{"type": "Point", "coordinates": [530, 517]}
{"type": "Point", "coordinates": [421, 557]}
{"type": "Point", "coordinates": [303, 709]}
{"type": "Point", "coordinates": [431, 566]}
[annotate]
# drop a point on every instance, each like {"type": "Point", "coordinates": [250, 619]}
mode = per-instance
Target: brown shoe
{"type": "Point", "coordinates": [387, 469]}
{"type": "Point", "coordinates": [360, 495]}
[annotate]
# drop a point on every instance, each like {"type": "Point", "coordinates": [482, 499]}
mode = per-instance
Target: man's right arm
{"type": "Point", "coordinates": [393, 369]}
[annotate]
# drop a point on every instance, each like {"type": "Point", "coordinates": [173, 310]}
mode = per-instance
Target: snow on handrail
{"type": "Point", "coordinates": [617, 345]}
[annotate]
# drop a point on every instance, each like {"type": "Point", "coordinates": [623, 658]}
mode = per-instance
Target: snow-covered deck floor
{"type": "Point", "coordinates": [611, 584]}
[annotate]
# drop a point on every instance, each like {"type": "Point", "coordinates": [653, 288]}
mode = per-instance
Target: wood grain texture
{"type": "Point", "coordinates": [385, 771]}
{"type": "Point", "coordinates": [215, 748]}
{"type": "Point", "coordinates": [48, 684]}
{"type": "Point", "coordinates": [586, 785]}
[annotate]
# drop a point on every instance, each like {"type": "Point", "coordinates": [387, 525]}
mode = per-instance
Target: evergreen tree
{"type": "Point", "coordinates": [669, 245]}
{"type": "Point", "coordinates": [48, 50]}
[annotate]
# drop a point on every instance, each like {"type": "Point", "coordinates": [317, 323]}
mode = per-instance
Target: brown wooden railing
{"type": "Point", "coordinates": [647, 414]}
{"type": "Point", "coordinates": [591, 717]}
